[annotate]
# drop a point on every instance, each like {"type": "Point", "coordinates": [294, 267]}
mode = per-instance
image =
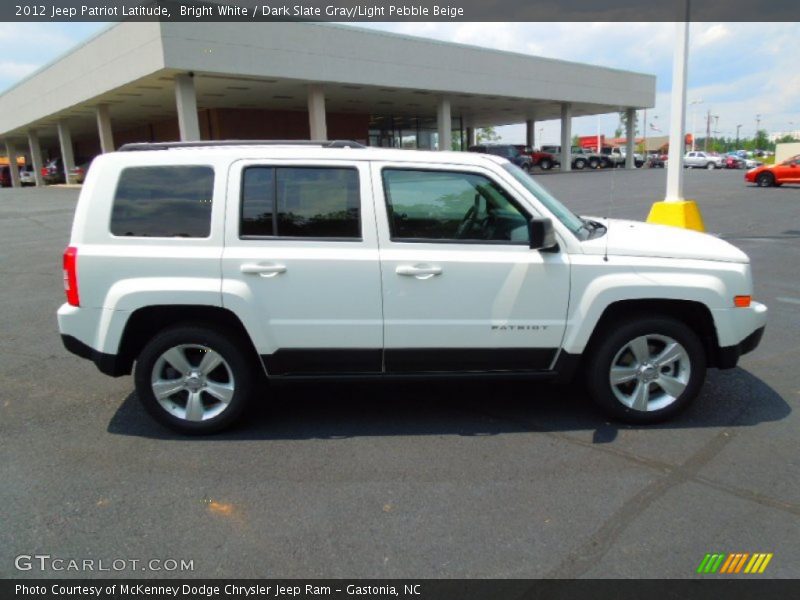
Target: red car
{"type": "Point", "coordinates": [732, 162]}
{"type": "Point", "coordinates": [543, 160]}
{"type": "Point", "coordinates": [768, 175]}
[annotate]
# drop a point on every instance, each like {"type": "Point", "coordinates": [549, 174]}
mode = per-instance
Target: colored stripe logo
{"type": "Point", "coordinates": [738, 562]}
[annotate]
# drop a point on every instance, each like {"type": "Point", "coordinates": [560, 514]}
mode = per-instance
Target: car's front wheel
{"type": "Point", "coordinates": [194, 379]}
{"type": "Point", "coordinates": [580, 164]}
{"type": "Point", "coordinates": [765, 180]}
{"type": "Point", "coordinates": [646, 369]}
{"type": "Point", "coordinates": [546, 164]}
{"type": "Point", "coordinates": [710, 166]}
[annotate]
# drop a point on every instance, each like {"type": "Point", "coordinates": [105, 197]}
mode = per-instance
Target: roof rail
{"type": "Point", "coordinates": [142, 146]}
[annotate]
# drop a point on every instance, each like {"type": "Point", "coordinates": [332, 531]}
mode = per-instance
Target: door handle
{"type": "Point", "coordinates": [262, 270]}
{"type": "Point", "coordinates": [419, 271]}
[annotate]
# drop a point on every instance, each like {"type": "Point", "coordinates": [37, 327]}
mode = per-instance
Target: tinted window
{"type": "Point", "coordinates": [313, 202]}
{"type": "Point", "coordinates": [170, 201]}
{"type": "Point", "coordinates": [450, 206]}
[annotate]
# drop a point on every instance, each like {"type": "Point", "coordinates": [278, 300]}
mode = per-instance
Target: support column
{"type": "Point", "coordinates": [675, 210]}
{"type": "Point", "coordinates": [470, 136]}
{"type": "Point", "coordinates": [445, 124]}
{"type": "Point", "coordinates": [566, 137]}
{"type": "Point", "coordinates": [317, 119]}
{"type": "Point", "coordinates": [67, 153]}
{"type": "Point", "coordinates": [630, 134]}
{"type": "Point", "coordinates": [36, 156]}
{"type": "Point", "coordinates": [104, 129]}
{"type": "Point", "coordinates": [13, 168]}
{"type": "Point", "coordinates": [530, 135]}
{"type": "Point", "coordinates": [186, 101]}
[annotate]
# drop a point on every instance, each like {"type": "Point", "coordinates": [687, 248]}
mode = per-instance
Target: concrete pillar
{"type": "Point", "coordinates": [317, 119]}
{"type": "Point", "coordinates": [470, 136]}
{"type": "Point", "coordinates": [186, 101]}
{"type": "Point", "coordinates": [630, 135]}
{"type": "Point", "coordinates": [444, 123]}
{"type": "Point", "coordinates": [67, 153]}
{"type": "Point", "coordinates": [530, 135]}
{"type": "Point", "coordinates": [104, 128]}
{"type": "Point", "coordinates": [11, 151]}
{"type": "Point", "coordinates": [36, 156]}
{"type": "Point", "coordinates": [566, 137]}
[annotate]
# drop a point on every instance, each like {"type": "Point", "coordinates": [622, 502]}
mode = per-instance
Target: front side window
{"type": "Point", "coordinates": [163, 201]}
{"type": "Point", "coordinates": [300, 202]}
{"type": "Point", "coordinates": [451, 206]}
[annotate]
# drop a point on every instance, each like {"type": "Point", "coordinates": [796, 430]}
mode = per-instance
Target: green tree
{"type": "Point", "coordinates": [622, 128]}
{"type": "Point", "coordinates": [486, 135]}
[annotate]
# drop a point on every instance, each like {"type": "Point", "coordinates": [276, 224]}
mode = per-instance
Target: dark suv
{"type": "Point", "coordinates": [506, 151]}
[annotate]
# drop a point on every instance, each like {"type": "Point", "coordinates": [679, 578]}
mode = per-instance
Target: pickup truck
{"type": "Point", "coordinates": [615, 157]}
{"type": "Point", "coordinates": [702, 160]}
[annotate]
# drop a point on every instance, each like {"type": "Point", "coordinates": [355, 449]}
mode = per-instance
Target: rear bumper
{"type": "Point", "coordinates": [108, 364]}
{"type": "Point", "coordinates": [728, 356]}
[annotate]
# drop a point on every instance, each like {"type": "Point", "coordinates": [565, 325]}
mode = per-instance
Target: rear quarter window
{"type": "Point", "coordinates": [163, 201]}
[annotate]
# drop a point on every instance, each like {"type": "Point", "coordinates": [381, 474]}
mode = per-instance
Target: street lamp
{"type": "Point", "coordinates": [758, 126]}
{"type": "Point", "coordinates": [738, 127]}
{"type": "Point", "coordinates": [694, 115]}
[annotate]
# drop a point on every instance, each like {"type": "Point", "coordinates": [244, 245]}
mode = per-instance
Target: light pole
{"type": "Point", "coordinates": [675, 210]}
{"type": "Point", "coordinates": [758, 126]}
{"type": "Point", "coordinates": [694, 118]}
{"type": "Point", "coordinates": [738, 127]}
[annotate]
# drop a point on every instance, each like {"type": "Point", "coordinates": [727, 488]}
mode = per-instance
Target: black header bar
{"type": "Point", "coordinates": [398, 10]}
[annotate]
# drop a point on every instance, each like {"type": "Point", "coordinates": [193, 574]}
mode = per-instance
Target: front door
{"type": "Point", "coordinates": [462, 290]}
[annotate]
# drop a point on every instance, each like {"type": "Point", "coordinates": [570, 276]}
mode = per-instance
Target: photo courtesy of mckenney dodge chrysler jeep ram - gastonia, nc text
{"type": "Point", "coordinates": [214, 266]}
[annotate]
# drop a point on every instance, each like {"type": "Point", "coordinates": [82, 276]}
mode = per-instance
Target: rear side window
{"type": "Point", "coordinates": [169, 201]}
{"type": "Point", "coordinates": [301, 202]}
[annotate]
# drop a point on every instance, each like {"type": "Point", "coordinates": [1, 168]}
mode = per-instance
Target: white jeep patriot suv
{"type": "Point", "coordinates": [210, 266]}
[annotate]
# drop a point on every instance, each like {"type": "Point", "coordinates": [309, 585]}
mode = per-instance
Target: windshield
{"type": "Point", "coordinates": [561, 212]}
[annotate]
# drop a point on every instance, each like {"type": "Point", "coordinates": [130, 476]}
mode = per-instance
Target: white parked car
{"type": "Point", "coordinates": [702, 160]}
{"type": "Point", "coordinates": [209, 267]}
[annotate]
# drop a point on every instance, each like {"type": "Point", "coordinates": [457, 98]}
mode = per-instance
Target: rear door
{"type": "Point", "coordinates": [301, 261]}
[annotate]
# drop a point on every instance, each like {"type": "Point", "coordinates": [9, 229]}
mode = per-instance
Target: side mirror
{"type": "Point", "coordinates": [541, 234]}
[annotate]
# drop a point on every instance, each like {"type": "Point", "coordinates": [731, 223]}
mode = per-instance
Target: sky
{"type": "Point", "coordinates": [737, 70]}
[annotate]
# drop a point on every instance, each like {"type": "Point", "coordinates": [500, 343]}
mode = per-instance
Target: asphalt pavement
{"type": "Point", "coordinates": [444, 479]}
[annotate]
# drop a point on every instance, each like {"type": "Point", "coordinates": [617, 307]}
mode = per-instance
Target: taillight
{"type": "Point", "coordinates": [71, 275]}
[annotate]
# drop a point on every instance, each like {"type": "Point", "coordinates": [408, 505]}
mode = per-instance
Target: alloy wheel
{"type": "Point", "coordinates": [650, 372]}
{"type": "Point", "coordinates": [192, 382]}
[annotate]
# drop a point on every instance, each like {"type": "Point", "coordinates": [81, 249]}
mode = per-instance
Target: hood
{"type": "Point", "coordinates": [632, 238]}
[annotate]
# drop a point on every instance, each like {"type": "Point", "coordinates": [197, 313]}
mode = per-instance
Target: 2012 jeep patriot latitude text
{"type": "Point", "coordinates": [210, 266]}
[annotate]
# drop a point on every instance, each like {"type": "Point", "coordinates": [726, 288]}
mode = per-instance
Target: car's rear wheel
{"type": "Point", "coordinates": [646, 369]}
{"type": "Point", "coordinates": [765, 180]}
{"type": "Point", "coordinates": [580, 164]}
{"type": "Point", "coordinates": [594, 163]}
{"type": "Point", "coordinates": [194, 379]}
{"type": "Point", "coordinates": [546, 164]}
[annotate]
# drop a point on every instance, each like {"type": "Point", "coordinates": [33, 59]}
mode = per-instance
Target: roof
{"type": "Point", "coordinates": [288, 150]}
{"type": "Point", "coordinates": [132, 67]}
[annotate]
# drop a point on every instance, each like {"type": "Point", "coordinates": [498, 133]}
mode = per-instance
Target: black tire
{"type": "Point", "coordinates": [710, 166]}
{"type": "Point", "coordinates": [546, 164]}
{"type": "Point", "coordinates": [765, 180]}
{"type": "Point", "coordinates": [580, 164]}
{"type": "Point", "coordinates": [594, 163]}
{"type": "Point", "coordinates": [238, 363]}
{"type": "Point", "coordinates": [612, 340]}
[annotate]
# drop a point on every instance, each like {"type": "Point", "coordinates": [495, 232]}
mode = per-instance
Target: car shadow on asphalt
{"type": "Point", "coordinates": [335, 410]}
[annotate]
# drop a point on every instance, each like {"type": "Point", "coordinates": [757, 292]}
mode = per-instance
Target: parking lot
{"type": "Point", "coordinates": [445, 479]}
